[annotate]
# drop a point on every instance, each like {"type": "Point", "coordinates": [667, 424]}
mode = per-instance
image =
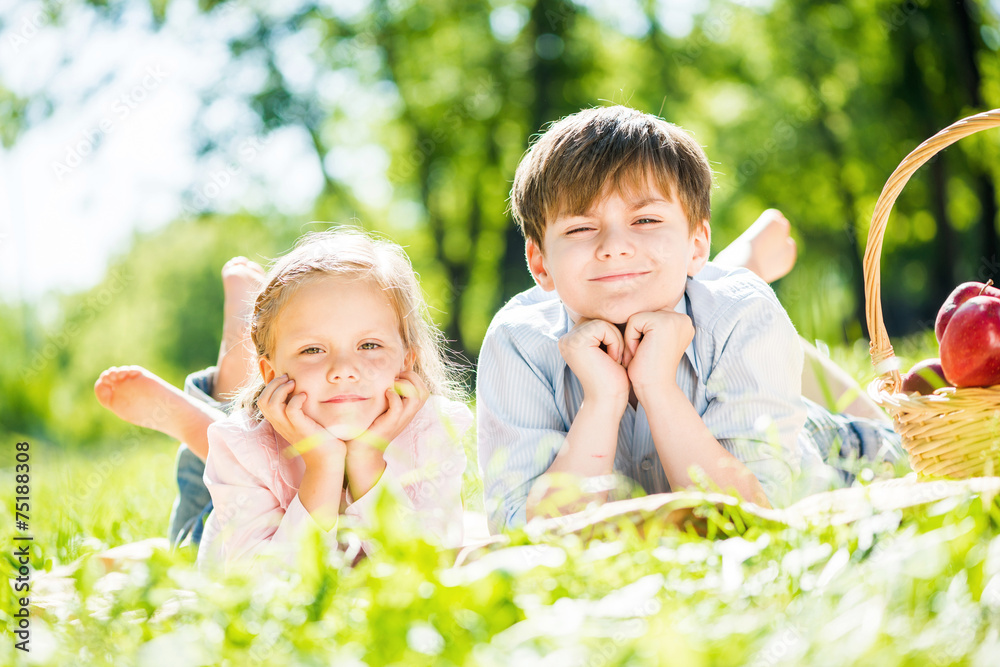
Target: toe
{"type": "Point", "coordinates": [234, 263]}
{"type": "Point", "coordinates": [103, 391]}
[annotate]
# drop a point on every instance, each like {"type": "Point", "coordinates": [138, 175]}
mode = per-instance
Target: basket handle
{"type": "Point", "coordinates": [880, 349]}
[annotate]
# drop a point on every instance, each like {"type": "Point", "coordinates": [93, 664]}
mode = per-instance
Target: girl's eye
{"type": "Point", "coordinates": [369, 346]}
{"type": "Point", "coordinates": [645, 221]}
{"type": "Point", "coordinates": [311, 350]}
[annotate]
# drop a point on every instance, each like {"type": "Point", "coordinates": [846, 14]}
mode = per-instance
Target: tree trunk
{"type": "Point", "coordinates": [547, 17]}
{"type": "Point", "coordinates": [969, 44]}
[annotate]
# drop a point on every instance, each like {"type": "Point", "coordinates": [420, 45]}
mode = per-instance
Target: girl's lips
{"type": "Point", "coordinates": [347, 398]}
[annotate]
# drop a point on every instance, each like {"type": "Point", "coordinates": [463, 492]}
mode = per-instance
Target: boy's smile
{"type": "Point", "coordinates": [631, 252]}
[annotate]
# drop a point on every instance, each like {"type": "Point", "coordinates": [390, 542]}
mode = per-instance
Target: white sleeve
{"type": "Point", "coordinates": [520, 427]}
{"type": "Point", "coordinates": [754, 391]}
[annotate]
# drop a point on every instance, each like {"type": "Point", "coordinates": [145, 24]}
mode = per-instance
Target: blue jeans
{"type": "Point", "coordinates": [856, 437]}
{"type": "Point", "coordinates": [193, 503]}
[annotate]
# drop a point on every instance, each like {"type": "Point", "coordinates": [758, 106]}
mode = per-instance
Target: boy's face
{"type": "Point", "coordinates": [629, 253]}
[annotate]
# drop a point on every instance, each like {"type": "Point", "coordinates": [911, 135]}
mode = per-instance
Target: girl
{"type": "Point", "coordinates": [340, 412]}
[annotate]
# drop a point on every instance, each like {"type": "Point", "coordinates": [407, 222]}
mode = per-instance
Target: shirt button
{"type": "Point", "coordinates": [647, 464]}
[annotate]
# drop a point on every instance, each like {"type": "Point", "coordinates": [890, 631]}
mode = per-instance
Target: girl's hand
{"type": "Point", "coordinates": [405, 399]}
{"type": "Point", "coordinates": [285, 414]}
{"type": "Point", "coordinates": [364, 461]}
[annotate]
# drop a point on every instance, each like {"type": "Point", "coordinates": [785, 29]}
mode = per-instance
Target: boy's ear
{"type": "Point", "coordinates": [536, 264]}
{"type": "Point", "coordinates": [267, 370]}
{"type": "Point", "coordinates": [701, 240]}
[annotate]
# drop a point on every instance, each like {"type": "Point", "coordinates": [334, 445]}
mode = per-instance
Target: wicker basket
{"type": "Point", "coordinates": [952, 432]}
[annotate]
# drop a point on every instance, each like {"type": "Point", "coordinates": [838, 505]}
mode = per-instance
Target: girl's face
{"type": "Point", "coordinates": [338, 338]}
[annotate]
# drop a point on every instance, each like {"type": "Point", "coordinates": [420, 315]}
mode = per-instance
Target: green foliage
{"type": "Point", "coordinates": [901, 587]}
{"type": "Point", "coordinates": [12, 110]}
{"type": "Point", "coordinates": [804, 106]}
{"type": "Point", "coordinates": [159, 306]}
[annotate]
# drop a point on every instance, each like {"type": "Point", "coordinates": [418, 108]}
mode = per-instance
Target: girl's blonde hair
{"type": "Point", "coordinates": [352, 253]}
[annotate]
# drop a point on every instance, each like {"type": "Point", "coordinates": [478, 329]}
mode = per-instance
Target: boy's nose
{"type": "Point", "coordinates": [615, 243]}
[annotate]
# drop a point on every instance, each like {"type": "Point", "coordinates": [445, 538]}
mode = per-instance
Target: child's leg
{"type": "Point", "coordinates": [828, 384]}
{"type": "Point", "coordinates": [766, 248]}
{"type": "Point", "coordinates": [141, 398]}
{"type": "Point", "coordinates": [241, 280]}
{"type": "Point", "coordinates": [844, 442]}
{"type": "Point", "coordinates": [193, 503]}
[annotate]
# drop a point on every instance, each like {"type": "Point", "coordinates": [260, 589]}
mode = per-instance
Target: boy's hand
{"type": "Point", "coordinates": [600, 371]}
{"type": "Point", "coordinates": [285, 414]}
{"type": "Point", "coordinates": [404, 401]}
{"type": "Point", "coordinates": [654, 344]}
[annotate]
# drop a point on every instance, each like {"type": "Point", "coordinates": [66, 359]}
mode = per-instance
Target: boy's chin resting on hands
{"type": "Point", "coordinates": [595, 350]}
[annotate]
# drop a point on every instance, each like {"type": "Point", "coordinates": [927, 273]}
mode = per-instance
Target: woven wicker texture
{"type": "Point", "coordinates": [953, 432]}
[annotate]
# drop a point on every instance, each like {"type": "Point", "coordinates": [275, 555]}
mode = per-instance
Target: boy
{"type": "Point", "coordinates": [632, 354]}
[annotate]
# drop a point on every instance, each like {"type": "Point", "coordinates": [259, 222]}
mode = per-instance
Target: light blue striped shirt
{"type": "Point", "coordinates": [742, 373]}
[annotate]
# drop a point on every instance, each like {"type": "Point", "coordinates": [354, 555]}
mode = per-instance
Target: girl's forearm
{"type": "Point", "coordinates": [322, 483]}
{"type": "Point", "coordinates": [682, 440]}
{"type": "Point", "coordinates": [364, 466]}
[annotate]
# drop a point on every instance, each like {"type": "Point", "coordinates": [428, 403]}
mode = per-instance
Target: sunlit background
{"type": "Point", "coordinates": [146, 141]}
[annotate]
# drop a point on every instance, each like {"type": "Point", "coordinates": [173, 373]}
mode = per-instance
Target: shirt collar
{"type": "Point", "coordinates": [684, 308]}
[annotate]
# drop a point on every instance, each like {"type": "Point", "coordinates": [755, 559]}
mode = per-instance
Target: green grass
{"type": "Point", "coordinates": [919, 586]}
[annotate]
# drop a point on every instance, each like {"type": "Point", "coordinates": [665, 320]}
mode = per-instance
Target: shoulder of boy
{"type": "Point", "coordinates": [724, 298]}
{"type": "Point", "coordinates": [530, 318]}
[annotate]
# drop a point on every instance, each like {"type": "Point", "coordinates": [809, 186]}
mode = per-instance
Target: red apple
{"type": "Point", "coordinates": [970, 349]}
{"type": "Point", "coordinates": [924, 377]}
{"type": "Point", "coordinates": [958, 296]}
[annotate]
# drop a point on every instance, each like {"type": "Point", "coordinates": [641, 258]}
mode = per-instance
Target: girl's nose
{"type": "Point", "coordinates": [342, 367]}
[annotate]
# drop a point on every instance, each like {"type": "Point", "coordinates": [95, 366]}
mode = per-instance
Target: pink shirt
{"type": "Point", "coordinates": [254, 484]}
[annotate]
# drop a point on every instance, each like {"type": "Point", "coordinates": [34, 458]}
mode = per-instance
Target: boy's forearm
{"type": "Point", "coordinates": [588, 451]}
{"type": "Point", "coordinates": [682, 440]}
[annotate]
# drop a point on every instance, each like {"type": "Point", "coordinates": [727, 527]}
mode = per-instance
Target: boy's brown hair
{"type": "Point", "coordinates": [572, 163]}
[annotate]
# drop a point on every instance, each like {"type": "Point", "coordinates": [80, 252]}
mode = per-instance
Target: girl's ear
{"type": "Point", "coordinates": [267, 369]}
{"type": "Point", "coordinates": [409, 360]}
{"type": "Point", "coordinates": [701, 242]}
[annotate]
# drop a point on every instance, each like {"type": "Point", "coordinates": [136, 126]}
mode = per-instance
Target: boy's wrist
{"type": "Point", "coordinates": [659, 395]}
{"type": "Point", "coordinates": [606, 405]}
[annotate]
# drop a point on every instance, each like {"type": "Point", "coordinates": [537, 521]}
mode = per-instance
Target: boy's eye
{"type": "Point", "coordinates": [646, 221]}
{"type": "Point", "coordinates": [578, 229]}
{"type": "Point", "coordinates": [311, 350]}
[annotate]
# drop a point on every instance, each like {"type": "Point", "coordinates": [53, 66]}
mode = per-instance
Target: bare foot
{"type": "Point", "coordinates": [141, 398]}
{"type": "Point", "coordinates": [241, 281]}
{"type": "Point", "coordinates": [766, 248]}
